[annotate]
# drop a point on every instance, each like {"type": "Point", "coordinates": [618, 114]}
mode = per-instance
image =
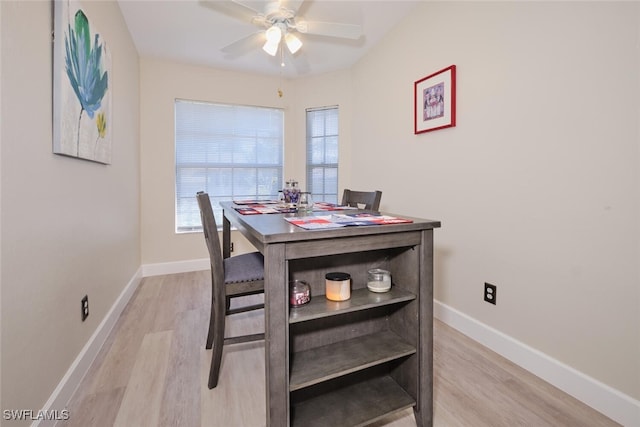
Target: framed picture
{"type": "Point", "coordinates": [435, 101]}
{"type": "Point", "coordinates": [82, 125]}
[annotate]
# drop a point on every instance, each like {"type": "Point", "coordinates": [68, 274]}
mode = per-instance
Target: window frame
{"type": "Point", "coordinates": [229, 141]}
{"type": "Point", "coordinates": [324, 195]}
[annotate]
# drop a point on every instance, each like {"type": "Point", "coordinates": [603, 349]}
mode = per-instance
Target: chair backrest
{"type": "Point", "coordinates": [210, 230]}
{"type": "Point", "coordinates": [370, 199]}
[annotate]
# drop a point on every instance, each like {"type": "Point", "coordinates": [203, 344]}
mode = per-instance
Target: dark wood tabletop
{"type": "Point", "coordinates": [261, 229]}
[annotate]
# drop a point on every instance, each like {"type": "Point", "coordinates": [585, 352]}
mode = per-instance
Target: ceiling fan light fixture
{"type": "Point", "coordinates": [271, 48]}
{"type": "Point", "coordinates": [273, 34]}
{"type": "Point", "coordinates": [293, 43]}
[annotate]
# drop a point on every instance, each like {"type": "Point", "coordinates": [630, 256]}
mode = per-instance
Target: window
{"type": "Point", "coordinates": [229, 151]}
{"type": "Point", "coordinates": [322, 153]}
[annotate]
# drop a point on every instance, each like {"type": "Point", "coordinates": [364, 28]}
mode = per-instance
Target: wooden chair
{"type": "Point", "coordinates": [370, 199]}
{"type": "Point", "coordinates": [231, 277]}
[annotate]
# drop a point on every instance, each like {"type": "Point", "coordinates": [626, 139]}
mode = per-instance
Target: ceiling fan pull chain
{"type": "Point", "coordinates": [280, 93]}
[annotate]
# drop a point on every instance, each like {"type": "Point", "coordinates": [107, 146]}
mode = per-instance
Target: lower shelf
{"type": "Point", "coordinates": [354, 405]}
{"type": "Point", "coordinates": [324, 363]}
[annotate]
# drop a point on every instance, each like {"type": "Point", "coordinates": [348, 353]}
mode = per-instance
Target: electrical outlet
{"type": "Point", "coordinates": [231, 248]}
{"type": "Point", "coordinates": [85, 308]}
{"type": "Point", "coordinates": [490, 293]}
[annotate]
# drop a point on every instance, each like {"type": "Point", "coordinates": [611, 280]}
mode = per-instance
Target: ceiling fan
{"type": "Point", "coordinates": [280, 22]}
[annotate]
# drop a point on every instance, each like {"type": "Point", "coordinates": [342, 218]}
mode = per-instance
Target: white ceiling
{"type": "Point", "coordinates": [193, 32]}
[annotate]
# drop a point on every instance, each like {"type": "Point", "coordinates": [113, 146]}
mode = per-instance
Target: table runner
{"type": "Point", "coordinates": [345, 220]}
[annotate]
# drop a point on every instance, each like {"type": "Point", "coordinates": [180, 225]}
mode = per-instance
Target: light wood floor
{"type": "Point", "coordinates": [152, 371]}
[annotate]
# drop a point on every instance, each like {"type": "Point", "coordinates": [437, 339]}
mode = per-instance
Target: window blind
{"type": "Point", "coordinates": [322, 153]}
{"type": "Point", "coordinates": [229, 151]}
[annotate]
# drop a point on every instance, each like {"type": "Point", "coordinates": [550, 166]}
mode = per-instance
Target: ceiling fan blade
{"type": "Point", "coordinates": [244, 45]}
{"type": "Point", "coordinates": [233, 9]}
{"type": "Point", "coordinates": [293, 5]}
{"type": "Point", "coordinates": [331, 29]}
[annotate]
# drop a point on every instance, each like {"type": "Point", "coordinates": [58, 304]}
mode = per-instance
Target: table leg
{"type": "Point", "coordinates": [423, 411]}
{"type": "Point", "coordinates": [276, 335]}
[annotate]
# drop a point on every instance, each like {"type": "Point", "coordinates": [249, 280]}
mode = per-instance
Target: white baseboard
{"type": "Point", "coordinates": [71, 380]}
{"type": "Point", "coordinates": [603, 398]}
{"type": "Point", "coordinates": [616, 405]}
{"type": "Point", "coordinates": [175, 267]}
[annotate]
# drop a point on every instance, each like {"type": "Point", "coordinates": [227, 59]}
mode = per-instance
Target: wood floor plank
{"type": "Point", "coordinates": [141, 403]}
{"type": "Point", "coordinates": [95, 410]}
{"type": "Point", "coordinates": [478, 387]}
{"type": "Point", "coordinates": [181, 400]}
{"type": "Point", "coordinates": [115, 371]}
{"type": "Point", "coordinates": [154, 365]}
{"type": "Point", "coordinates": [239, 398]}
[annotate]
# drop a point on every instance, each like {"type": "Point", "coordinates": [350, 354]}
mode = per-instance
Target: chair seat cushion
{"type": "Point", "coordinates": [244, 268]}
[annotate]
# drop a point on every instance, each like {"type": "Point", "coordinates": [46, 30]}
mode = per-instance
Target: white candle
{"type": "Point", "coordinates": [338, 286]}
{"type": "Point", "coordinates": [379, 280]}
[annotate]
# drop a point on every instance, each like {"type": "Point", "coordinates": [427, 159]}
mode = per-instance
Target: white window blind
{"type": "Point", "coordinates": [229, 151]}
{"type": "Point", "coordinates": [322, 153]}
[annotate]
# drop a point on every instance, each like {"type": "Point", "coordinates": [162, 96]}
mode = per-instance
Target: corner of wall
{"type": "Point", "coordinates": [612, 403]}
{"type": "Point", "coordinates": [73, 377]}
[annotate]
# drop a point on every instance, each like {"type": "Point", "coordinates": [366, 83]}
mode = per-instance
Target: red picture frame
{"type": "Point", "coordinates": [435, 101]}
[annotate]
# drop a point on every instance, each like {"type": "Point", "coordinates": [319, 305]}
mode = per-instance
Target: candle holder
{"type": "Point", "coordinates": [305, 202]}
{"type": "Point", "coordinates": [338, 286]}
{"type": "Point", "coordinates": [378, 280]}
{"type": "Point", "coordinates": [299, 293]}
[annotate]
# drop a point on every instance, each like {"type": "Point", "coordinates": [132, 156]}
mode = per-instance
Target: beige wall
{"type": "Point", "coordinates": [1, 98]}
{"type": "Point", "coordinates": [322, 91]}
{"type": "Point", "coordinates": [161, 83]}
{"type": "Point", "coordinates": [69, 227]}
{"type": "Point", "coordinates": [537, 186]}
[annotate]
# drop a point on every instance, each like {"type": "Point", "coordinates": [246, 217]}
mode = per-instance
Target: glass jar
{"type": "Point", "coordinates": [378, 280]}
{"type": "Point", "coordinates": [337, 286]}
{"type": "Point", "coordinates": [299, 293]}
{"type": "Point", "coordinates": [305, 202]}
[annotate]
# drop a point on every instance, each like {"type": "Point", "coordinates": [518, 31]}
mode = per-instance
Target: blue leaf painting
{"type": "Point", "coordinates": [84, 67]}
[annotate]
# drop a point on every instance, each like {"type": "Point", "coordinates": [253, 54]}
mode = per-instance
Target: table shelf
{"type": "Point", "coordinates": [353, 362]}
{"type": "Point", "coordinates": [331, 361]}
{"type": "Point", "coordinates": [357, 404]}
{"type": "Point", "coordinates": [356, 361]}
{"type": "Point", "coordinates": [361, 299]}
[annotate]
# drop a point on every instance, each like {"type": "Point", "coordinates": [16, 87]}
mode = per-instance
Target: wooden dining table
{"type": "Point", "coordinates": [344, 363]}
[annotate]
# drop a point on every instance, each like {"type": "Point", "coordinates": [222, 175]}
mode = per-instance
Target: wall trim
{"type": "Point", "coordinates": [603, 398]}
{"type": "Point", "coordinates": [175, 267]}
{"type": "Point", "coordinates": [61, 396]}
{"type": "Point", "coordinates": [614, 404]}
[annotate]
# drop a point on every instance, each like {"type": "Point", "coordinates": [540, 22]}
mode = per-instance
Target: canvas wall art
{"type": "Point", "coordinates": [82, 125]}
